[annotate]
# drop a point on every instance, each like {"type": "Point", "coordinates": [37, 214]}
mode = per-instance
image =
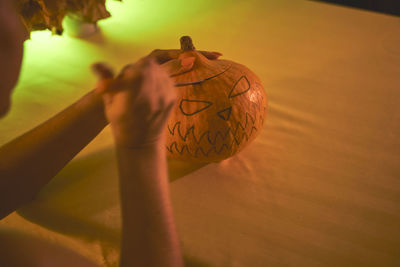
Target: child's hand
{"type": "Point", "coordinates": [137, 102]}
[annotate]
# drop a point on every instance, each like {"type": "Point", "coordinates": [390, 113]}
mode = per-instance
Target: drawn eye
{"type": "Point", "coordinates": [240, 87]}
{"type": "Point", "coordinates": [191, 107]}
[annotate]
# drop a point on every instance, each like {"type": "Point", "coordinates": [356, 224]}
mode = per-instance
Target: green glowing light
{"type": "Point", "coordinates": [130, 33]}
{"type": "Point", "coordinates": [132, 18]}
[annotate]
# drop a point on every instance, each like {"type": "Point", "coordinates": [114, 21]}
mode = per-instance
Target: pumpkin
{"type": "Point", "coordinates": [221, 107]}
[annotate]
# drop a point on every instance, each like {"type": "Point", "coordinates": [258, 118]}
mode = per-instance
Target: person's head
{"type": "Point", "coordinates": [11, 46]}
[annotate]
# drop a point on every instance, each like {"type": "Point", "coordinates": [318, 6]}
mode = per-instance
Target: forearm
{"type": "Point", "coordinates": [149, 236]}
{"type": "Point", "coordinates": [31, 160]}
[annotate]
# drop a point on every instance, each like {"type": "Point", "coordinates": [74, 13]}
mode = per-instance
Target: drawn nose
{"type": "Point", "coordinates": [225, 113]}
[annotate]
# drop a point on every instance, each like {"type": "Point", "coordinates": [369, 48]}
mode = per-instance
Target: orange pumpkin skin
{"type": "Point", "coordinates": [221, 107]}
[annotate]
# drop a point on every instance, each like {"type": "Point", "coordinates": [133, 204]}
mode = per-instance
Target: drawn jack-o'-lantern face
{"type": "Point", "coordinates": [221, 107]}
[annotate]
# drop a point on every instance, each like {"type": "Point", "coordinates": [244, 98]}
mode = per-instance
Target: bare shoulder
{"type": "Point", "coordinates": [18, 250]}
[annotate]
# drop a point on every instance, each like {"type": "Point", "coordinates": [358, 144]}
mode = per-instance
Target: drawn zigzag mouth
{"type": "Point", "coordinates": [223, 135]}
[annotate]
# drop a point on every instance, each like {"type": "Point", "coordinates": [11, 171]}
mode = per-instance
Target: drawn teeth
{"type": "Point", "coordinates": [239, 133]}
{"type": "Point", "coordinates": [235, 132]}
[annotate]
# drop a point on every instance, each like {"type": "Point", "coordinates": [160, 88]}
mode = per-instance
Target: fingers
{"type": "Point", "coordinates": [102, 70]}
{"type": "Point", "coordinates": [164, 55]}
{"type": "Point", "coordinates": [105, 75]}
{"type": "Point", "coordinates": [132, 75]}
{"type": "Point", "coordinates": [176, 67]}
{"type": "Point", "coordinates": [129, 76]}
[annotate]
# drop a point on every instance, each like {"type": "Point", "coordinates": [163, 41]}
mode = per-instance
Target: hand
{"type": "Point", "coordinates": [139, 100]}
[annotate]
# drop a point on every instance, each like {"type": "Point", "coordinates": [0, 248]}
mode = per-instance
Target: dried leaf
{"type": "Point", "coordinates": [49, 14]}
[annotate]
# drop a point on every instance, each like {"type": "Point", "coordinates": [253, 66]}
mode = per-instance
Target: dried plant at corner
{"type": "Point", "coordinates": [48, 14]}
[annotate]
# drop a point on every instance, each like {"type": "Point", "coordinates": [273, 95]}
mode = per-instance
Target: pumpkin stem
{"type": "Point", "coordinates": [187, 44]}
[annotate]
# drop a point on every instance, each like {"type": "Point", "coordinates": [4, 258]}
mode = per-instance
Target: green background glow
{"type": "Point", "coordinates": [134, 25]}
{"type": "Point", "coordinates": [56, 69]}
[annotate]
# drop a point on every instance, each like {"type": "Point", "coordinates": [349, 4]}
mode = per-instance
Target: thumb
{"type": "Point", "coordinates": [179, 66]}
{"type": "Point", "coordinates": [105, 74]}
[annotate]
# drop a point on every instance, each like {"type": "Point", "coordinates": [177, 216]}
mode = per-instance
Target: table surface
{"type": "Point", "coordinates": [320, 186]}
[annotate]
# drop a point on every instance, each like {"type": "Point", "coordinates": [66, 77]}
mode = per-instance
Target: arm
{"type": "Point", "coordinates": [31, 160]}
{"type": "Point", "coordinates": [149, 235]}
{"type": "Point", "coordinates": [138, 108]}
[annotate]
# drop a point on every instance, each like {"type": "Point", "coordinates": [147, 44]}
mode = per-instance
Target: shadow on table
{"type": "Point", "coordinates": [82, 201]}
